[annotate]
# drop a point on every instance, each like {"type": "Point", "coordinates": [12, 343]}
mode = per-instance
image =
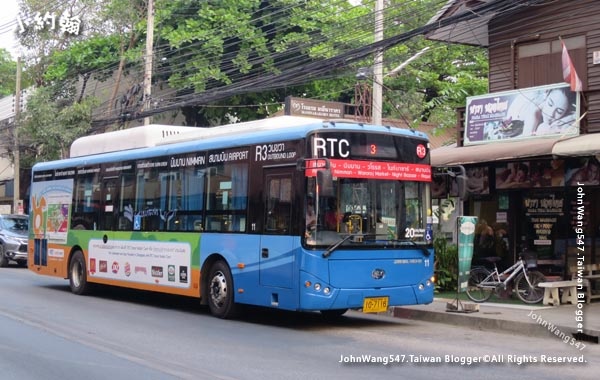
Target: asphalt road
{"type": "Point", "coordinates": [46, 332]}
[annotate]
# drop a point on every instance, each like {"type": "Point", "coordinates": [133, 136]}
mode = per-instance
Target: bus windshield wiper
{"type": "Point", "coordinates": [330, 250]}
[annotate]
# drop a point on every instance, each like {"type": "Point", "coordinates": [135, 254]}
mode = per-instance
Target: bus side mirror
{"type": "Point", "coordinates": [325, 183]}
{"type": "Point", "coordinates": [461, 182]}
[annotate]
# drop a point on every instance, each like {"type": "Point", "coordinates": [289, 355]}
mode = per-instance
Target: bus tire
{"type": "Point", "coordinates": [78, 274]}
{"type": "Point", "coordinates": [221, 300]}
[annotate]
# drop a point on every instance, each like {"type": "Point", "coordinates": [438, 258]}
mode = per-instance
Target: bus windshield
{"type": "Point", "coordinates": [374, 212]}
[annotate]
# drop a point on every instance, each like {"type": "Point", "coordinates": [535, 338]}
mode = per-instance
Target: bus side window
{"type": "Point", "coordinates": [227, 198]}
{"type": "Point", "coordinates": [278, 205]}
{"type": "Point", "coordinates": [85, 206]}
{"type": "Point", "coordinates": [125, 203]}
{"type": "Point", "coordinates": [147, 199]}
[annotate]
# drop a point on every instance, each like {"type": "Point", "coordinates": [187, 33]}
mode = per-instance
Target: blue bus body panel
{"type": "Point", "coordinates": [395, 273]}
{"type": "Point", "coordinates": [278, 280]}
{"type": "Point", "coordinates": [260, 278]}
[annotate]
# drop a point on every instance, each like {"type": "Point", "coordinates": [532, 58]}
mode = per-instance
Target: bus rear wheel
{"type": "Point", "coordinates": [78, 274]}
{"type": "Point", "coordinates": [220, 291]}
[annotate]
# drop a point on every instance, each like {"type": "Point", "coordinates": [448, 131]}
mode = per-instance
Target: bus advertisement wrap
{"type": "Point", "coordinates": [161, 263]}
{"type": "Point", "coordinates": [51, 206]}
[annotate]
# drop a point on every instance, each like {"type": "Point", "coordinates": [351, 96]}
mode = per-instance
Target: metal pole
{"type": "Point", "coordinates": [378, 65]}
{"type": "Point", "coordinates": [16, 155]}
{"type": "Point", "coordinates": [148, 66]}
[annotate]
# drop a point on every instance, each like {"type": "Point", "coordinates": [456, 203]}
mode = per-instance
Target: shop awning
{"type": "Point", "coordinates": [505, 150]}
{"type": "Point", "coordinates": [584, 145]}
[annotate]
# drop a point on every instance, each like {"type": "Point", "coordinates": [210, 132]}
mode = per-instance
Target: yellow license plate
{"type": "Point", "coordinates": [375, 304]}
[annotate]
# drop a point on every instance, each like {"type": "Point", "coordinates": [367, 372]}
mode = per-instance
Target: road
{"type": "Point", "coordinates": [46, 332]}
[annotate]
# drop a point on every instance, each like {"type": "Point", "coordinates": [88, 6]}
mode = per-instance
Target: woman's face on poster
{"type": "Point", "coordinates": [555, 106]}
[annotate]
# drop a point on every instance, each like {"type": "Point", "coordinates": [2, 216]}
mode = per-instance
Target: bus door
{"type": "Point", "coordinates": [276, 247]}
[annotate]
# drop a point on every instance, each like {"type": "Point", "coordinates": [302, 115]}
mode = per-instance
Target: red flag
{"type": "Point", "coordinates": [569, 72]}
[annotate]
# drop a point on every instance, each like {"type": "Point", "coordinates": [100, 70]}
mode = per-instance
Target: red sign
{"type": "Point", "coordinates": [421, 151]}
{"type": "Point", "coordinates": [377, 170]}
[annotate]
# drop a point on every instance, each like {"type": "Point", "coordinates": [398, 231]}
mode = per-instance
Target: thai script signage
{"type": "Point", "coordinates": [521, 114]}
{"type": "Point", "coordinates": [313, 108]}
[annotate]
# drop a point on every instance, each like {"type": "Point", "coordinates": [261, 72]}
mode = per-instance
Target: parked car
{"type": "Point", "coordinates": [14, 230]}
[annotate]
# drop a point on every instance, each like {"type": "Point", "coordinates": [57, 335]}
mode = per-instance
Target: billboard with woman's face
{"type": "Point", "coordinates": [520, 114]}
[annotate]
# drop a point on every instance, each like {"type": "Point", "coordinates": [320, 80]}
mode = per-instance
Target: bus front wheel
{"type": "Point", "coordinates": [78, 274]}
{"type": "Point", "coordinates": [220, 291]}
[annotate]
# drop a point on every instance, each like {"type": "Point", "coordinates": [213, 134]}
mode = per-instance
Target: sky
{"type": "Point", "coordinates": [8, 25]}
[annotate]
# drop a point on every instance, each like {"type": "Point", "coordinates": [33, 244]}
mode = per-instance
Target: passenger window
{"type": "Point", "coordinates": [278, 205]}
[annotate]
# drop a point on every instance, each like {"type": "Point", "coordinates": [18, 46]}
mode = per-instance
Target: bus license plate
{"type": "Point", "coordinates": [375, 304]}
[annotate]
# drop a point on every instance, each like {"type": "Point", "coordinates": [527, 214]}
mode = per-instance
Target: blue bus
{"type": "Point", "coordinates": [289, 212]}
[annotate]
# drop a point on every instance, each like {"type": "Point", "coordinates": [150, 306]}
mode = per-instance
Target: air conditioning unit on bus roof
{"type": "Point", "coordinates": [132, 138]}
{"type": "Point", "coordinates": [153, 135]}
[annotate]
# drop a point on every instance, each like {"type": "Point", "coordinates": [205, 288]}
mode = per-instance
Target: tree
{"type": "Point", "coordinates": [229, 47]}
{"type": "Point", "coordinates": [8, 70]}
{"type": "Point", "coordinates": [207, 45]}
{"type": "Point", "coordinates": [50, 123]}
{"type": "Point", "coordinates": [107, 39]}
{"type": "Point", "coordinates": [432, 86]}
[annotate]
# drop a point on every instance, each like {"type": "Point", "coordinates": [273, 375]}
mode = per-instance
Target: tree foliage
{"type": "Point", "coordinates": [8, 69]}
{"type": "Point", "coordinates": [205, 45]}
{"type": "Point", "coordinates": [50, 124]}
{"type": "Point", "coordinates": [208, 45]}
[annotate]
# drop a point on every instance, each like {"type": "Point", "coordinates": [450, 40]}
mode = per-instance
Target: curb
{"type": "Point", "coordinates": [473, 321]}
{"type": "Point", "coordinates": [493, 319]}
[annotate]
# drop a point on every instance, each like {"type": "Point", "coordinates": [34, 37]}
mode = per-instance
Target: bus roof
{"type": "Point", "coordinates": [153, 135]}
{"type": "Point", "coordinates": [132, 138]}
{"type": "Point", "coordinates": [156, 140]}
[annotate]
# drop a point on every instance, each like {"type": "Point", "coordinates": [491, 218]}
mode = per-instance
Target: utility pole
{"type": "Point", "coordinates": [16, 153]}
{"type": "Point", "coordinates": [378, 65]}
{"type": "Point", "coordinates": [148, 66]}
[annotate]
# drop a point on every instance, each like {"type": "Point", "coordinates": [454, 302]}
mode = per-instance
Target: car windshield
{"type": "Point", "coordinates": [374, 212]}
{"type": "Point", "coordinates": [15, 223]}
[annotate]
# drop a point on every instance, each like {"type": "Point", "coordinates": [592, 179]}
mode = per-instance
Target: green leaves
{"type": "Point", "coordinates": [50, 123]}
{"type": "Point", "coordinates": [89, 56]}
{"type": "Point", "coordinates": [8, 70]}
{"type": "Point", "coordinates": [201, 46]}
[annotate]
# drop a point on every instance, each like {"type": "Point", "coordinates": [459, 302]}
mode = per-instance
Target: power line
{"type": "Point", "coordinates": [291, 59]}
{"type": "Point", "coordinates": [309, 71]}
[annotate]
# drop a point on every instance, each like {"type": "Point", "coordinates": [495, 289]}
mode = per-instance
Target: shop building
{"type": "Point", "coordinates": [531, 146]}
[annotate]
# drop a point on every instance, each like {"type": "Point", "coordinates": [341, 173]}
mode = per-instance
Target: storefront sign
{"type": "Point", "coordinates": [543, 213]}
{"type": "Point", "coordinates": [550, 204]}
{"type": "Point", "coordinates": [521, 114]}
{"type": "Point", "coordinates": [313, 108]}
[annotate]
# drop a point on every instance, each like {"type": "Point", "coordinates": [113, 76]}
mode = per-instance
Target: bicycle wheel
{"type": "Point", "coordinates": [474, 291]}
{"type": "Point", "coordinates": [530, 293]}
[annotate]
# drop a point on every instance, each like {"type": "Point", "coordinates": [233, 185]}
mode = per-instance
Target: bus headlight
{"type": "Point", "coordinates": [318, 287]}
{"type": "Point", "coordinates": [326, 291]}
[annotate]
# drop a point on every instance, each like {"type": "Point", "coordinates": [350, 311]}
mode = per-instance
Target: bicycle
{"type": "Point", "coordinates": [483, 282]}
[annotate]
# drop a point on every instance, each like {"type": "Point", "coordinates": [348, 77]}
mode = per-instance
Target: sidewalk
{"type": "Point", "coordinates": [523, 319]}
